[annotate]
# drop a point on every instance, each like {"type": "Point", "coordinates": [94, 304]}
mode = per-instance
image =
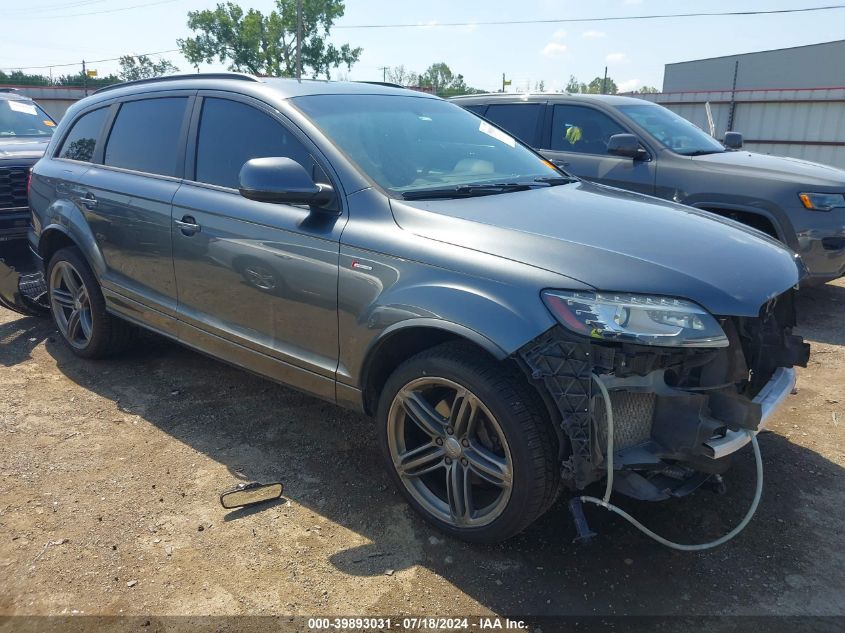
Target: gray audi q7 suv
{"type": "Point", "coordinates": [640, 146]}
{"type": "Point", "coordinates": [389, 251]}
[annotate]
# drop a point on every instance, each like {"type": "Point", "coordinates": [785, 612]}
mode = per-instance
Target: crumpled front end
{"type": "Point", "coordinates": [678, 414]}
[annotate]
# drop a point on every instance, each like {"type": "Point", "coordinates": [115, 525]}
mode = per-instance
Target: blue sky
{"type": "Point", "coordinates": [42, 32]}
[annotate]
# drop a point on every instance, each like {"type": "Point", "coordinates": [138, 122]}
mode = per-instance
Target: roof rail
{"type": "Point", "coordinates": [389, 84]}
{"type": "Point", "coordinates": [237, 76]}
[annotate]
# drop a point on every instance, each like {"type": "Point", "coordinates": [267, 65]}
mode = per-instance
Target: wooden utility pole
{"type": "Point", "coordinates": [604, 82]}
{"type": "Point", "coordinates": [384, 70]}
{"type": "Point", "coordinates": [299, 39]}
{"type": "Point", "coordinates": [84, 79]}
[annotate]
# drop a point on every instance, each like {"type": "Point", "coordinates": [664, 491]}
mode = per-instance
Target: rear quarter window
{"type": "Point", "coordinates": [80, 142]}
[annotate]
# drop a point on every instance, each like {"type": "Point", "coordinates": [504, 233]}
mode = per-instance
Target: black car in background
{"type": "Point", "coordinates": [25, 131]}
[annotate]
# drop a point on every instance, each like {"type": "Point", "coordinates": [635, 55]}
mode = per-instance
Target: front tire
{"type": "Point", "coordinates": [468, 443]}
{"type": "Point", "coordinates": [79, 309]}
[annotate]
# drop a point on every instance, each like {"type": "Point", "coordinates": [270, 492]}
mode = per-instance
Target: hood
{"type": "Point", "coordinates": [615, 240]}
{"type": "Point", "coordinates": [779, 168]}
{"type": "Point", "coordinates": [29, 147]}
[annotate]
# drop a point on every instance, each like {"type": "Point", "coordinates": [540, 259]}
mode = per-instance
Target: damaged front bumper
{"type": "Point", "coordinates": [678, 414]}
{"type": "Point", "coordinates": [22, 285]}
{"type": "Point", "coordinates": [770, 399]}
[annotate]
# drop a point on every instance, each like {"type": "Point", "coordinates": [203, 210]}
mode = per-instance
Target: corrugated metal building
{"type": "Point", "coordinates": [788, 102]}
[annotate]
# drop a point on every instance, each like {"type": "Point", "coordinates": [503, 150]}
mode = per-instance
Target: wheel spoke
{"type": "Point", "coordinates": [419, 461]}
{"type": "Point", "coordinates": [463, 414]}
{"type": "Point", "coordinates": [487, 465]}
{"type": "Point", "coordinates": [70, 281]}
{"type": "Point", "coordinates": [63, 298]}
{"type": "Point", "coordinates": [73, 324]}
{"type": "Point", "coordinates": [85, 322]}
{"type": "Point", "coordinates": [459, 493]}
{"type": "Point", "coordinates": [423, 414]}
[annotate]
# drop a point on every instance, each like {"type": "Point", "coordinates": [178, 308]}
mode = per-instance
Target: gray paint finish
{"type": "Point", "coordinates": [305, 297]}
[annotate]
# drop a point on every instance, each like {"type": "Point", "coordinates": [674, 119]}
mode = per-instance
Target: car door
{"type": "Point", "coordinates": [128, 204]}
{"type": "Point", "coordinates": [576, 140]}
{"type": "Point", "coordinates": [257, 281]}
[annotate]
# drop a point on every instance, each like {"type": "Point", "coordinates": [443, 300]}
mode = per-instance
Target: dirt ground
{"type": "Point", "coordinates": [110, 473]}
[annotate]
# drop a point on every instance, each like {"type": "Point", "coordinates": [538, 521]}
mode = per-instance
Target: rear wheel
{"type": "Point", "coordinates": [79, 309]}
{"type": "Point", "coordinates": [468, 443]}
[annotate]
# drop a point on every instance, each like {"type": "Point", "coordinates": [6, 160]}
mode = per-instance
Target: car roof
{"type": "Point", "coordinates": [550, 97]}
{"type": "Point", "coordinates": [281, 87]}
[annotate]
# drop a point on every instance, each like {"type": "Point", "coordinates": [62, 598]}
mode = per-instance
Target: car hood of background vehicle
{"type": "Point", "coordinates": [615, 240]}
{"type": "Point", "coordinates": [23, 147]}
{"type": "Point", "coordinates": [780, 168]}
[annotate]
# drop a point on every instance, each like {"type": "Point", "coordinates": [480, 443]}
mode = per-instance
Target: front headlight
{"type": "Point", "coordinates": [822, 201]}
{"type": "Point", "coordinates": [631, 318]}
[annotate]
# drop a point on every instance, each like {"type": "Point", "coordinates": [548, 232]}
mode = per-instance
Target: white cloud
{"type": "Point", "coordinates": [593, 34]}
{"type": "Point", "coordinates": [559, 34]}
{"type": "Point", "coordinates": [617, 58]}
{"type": "Point", "coordinates": [629, 85]}
{"type": "Point", "coordinates": [632, 2]}
{"type": "Point", "coordinates": [554, 49]}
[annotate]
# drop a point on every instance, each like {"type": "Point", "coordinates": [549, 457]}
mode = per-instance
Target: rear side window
{"type": "Point", "coordinates": [80, 142]}
{"type": "Point", "coordinates": [582, 129]}
{"type": "Point", "coordinates": [146, 135]}
{"type": "Point", "coordinates": [231, 133]}
{"type": "Point", "coordinates": [520, 119]}
{"type": "Point", "coordinates": [477, 109]}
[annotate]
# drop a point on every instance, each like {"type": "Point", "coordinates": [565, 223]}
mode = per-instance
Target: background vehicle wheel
{"type": "Point", "coordinates": [468, 443]}
{"type": "Point", "coordinates": [79, 310]}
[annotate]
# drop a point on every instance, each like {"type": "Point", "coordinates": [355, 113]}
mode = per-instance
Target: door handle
{"type": "Point", "coordinates": [88, 201]}
{"type": "Point", "coordinates": [188, 225]}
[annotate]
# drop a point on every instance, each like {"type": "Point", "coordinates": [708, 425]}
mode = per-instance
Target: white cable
{"type": "Point", "coordinates": [758, 493]}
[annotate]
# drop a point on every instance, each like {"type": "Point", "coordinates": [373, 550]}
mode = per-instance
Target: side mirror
{"type": "Point", "coordinates": [624, 145]}
{"type": "Point", "coordinates": [733, 140]}
{"type": "Point", "coordinates": [283, 181]}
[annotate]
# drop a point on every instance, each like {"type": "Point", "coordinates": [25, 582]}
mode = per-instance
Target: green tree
{"type": "Point", "coordinates": [573, 85]}
{"type": "Point", "coordinates": [266, 44]}
{"type": "Point", "coordinates": [595, 86]}
{"type": "Point", "coordinates": [647, 90]}
{"type": "Point", "coordinates": [142, 67]}
{"type": "Point", "coordinates": [442, 81]}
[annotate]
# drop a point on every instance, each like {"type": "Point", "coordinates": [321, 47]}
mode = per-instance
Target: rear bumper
{"type": "Point", "coordinates": [770, 399]}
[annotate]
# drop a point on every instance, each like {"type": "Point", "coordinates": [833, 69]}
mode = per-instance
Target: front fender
{"type": "Point", "coordinates": [499, 315]}
{"type": "Point", "coordinates": [769, 210]}
{"type": "Point", "coordinates": [67, 219]}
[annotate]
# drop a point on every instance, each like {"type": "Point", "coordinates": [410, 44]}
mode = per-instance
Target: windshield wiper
{"type": "Point", "coordinates": [467, 191]}
{"type": "Point", "coordinates": [704, 152]}
{"type": "Point", "coordinates": [554, 181]}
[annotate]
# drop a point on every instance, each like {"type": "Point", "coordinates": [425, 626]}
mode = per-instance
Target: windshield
{"type": "Point", "coordinates": [411, 144]}
{"type": "Point", "coordinates": [24, 118]}
{"type": "Point", "coordinates": [671, 130]}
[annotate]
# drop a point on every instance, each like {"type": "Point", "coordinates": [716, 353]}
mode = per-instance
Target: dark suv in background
{"type": "Point", "coordinates": [25, 131]}
{"type": "Point", "coordinates": [641, 146]}
{"type": "Point", "coordinates": [388, 251]}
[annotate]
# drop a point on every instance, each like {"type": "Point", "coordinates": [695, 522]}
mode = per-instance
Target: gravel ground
{"type": "Point", "coordinates": [110, 473]}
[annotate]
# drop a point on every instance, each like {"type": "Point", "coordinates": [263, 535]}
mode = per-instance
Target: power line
{"type": "Point", "coordinates": [76, 15]}
{"type": "Point", "coordinates": [619, 18]}
{"type": "Point", "coordinates": [87, 61]}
